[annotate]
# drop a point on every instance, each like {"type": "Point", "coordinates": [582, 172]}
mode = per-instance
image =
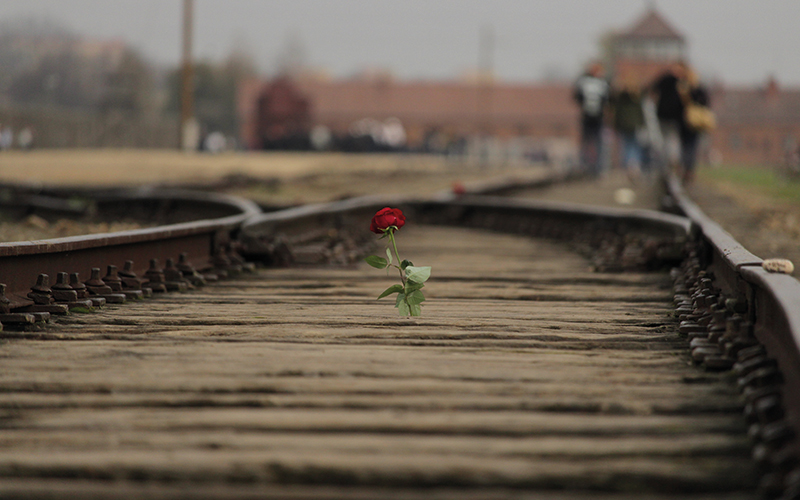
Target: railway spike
{"type": "Point", "coordinates": [238, 260]}
{"type": "Point", "coordinates": [42, 296]}
{"type": "Point", "coordinates": [155, 278]}
{"type": "Point", "coordinates": [64, 293]}
{"type": "Point", "coordinates": [114, 282]}
{"type": "Point", "coordinates": [792, 482]}
{"type": "Point", "coordinates": [16, 320]}
{"type": "Point", "coordinates": [173, 278]}
{"type": "Point", "coordinates": [222, 265]}
{"type": "Point", "coordinates": [717, 362]}
{"type": "Point", "coordinates": [189, 272]}
{"type": "Point", "coordinates": [5, 302]}
{"type": "Point", "coordinates": [98, 287]}
{"type": "Point", "coordinates": [112, 279]}
{"type": "Point", "coordinates": [133, 282]}
{"type": "Point", "coordinates": [761, 377]}
{"type": "Point", "coordinates": [40, 292]}
{"type": "Point", "coordinates": [83, 293]}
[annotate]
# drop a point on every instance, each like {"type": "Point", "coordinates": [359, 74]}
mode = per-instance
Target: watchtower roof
{"type": "Point", "coordinates": [652, 25]}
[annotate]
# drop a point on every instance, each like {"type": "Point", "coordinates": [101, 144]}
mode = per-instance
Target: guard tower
{"type": "Point", "coordinates": [647, 48]}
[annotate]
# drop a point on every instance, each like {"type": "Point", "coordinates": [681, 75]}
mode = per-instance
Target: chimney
{"type": "Point", "coordinates": [771, 90]}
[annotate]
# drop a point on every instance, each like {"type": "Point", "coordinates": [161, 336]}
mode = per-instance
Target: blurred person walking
{"type": "Point", "coordinates": [6, 138]}
{"type": "Point", "coordinates": [669, 109]}
{"type": "Point", "coordinates": [591, 92]}
{"type": "Point", "coordinates": [25, 139]}
{"type": "Point", "coordinates": [628, 120]}
{"type": "Point", "coordinates": [697, 120]}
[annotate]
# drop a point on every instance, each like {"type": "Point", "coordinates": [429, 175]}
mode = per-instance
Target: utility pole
{"type": "Point", "coordinates": [485, 83]}
{"type": "Point", "coordinates": [188, 126]}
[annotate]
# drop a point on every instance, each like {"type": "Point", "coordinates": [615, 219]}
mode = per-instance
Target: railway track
{"type": "Point", "coordinates": [556, 358]}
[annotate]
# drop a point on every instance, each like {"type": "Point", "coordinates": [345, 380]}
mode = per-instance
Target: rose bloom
{"type": "Point", "coordinates": [385, 218]}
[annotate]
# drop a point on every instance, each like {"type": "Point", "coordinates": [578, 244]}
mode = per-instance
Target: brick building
{"type": "Point", "coordinates": [755, 125]}
{"type": "Point", "coordinates": [433, 114]}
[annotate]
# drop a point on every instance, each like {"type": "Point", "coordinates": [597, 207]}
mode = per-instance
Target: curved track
{"type": "Point", "coordinates": [203, 229]}
{"type": "Point", "coordinates": [738, 318]}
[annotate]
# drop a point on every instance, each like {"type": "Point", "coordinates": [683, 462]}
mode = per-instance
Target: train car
{"type": "Point", "coordinates": [283, 117]}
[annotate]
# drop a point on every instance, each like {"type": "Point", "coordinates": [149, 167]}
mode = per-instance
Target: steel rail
{"type": "Point", "coordinates": [21, 263]}
{"type": "Point", "coordinates": [761, 313]}
{"type": "Point", "coordinates": [269, 237]}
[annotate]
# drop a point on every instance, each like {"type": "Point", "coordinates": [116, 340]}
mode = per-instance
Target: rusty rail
{"type": "Point", "coordinates": [276, 237]}
{"type": "Point", "coordinates": [139, 251]}
{"type": "Point", "coordinates": [739, 316]}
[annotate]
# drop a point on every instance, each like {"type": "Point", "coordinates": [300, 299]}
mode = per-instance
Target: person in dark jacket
{"type": "Point", "coordinates": [626, 103]}
{"type": "Point", "coordinates": [669, 109]}
{"type": "Point", "coordinates": [591, 92]}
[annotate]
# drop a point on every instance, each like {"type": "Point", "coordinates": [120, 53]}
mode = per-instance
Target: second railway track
{"type": "Point", "coordinates": [538, 370]}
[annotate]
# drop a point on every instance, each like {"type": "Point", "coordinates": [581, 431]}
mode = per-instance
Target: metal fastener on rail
{"type": "Point", "coordinates": [240, 262]}
{"type": "Point", "coordinates": [8, 318]}
{"type": "Point", "coordinates": [132, 282]}
{"type": "Point", "coordinates": [64, 293]}
{"type": "Point", "coordinates": [155, 278]}
{"type": "Point", "coordinates": [61, 290]}
{"type": "Point", "coordinates": [189, 272]}
{"type": "Point", "coordinates": [97, 287]}
{"type": "Point", "coordinates": [113, 280]}
{"type": "Point", "coordinates": [222, 265]}
{"type": "Point", "coordinates": [42, 297]}
{"type": "Point", "coordinates": [83, 292]}
{"type": "Point", "coordinates": [173, 278]}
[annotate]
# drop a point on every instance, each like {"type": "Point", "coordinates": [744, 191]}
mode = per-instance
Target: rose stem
{"type": "Point", "coordinates": [397, 254]}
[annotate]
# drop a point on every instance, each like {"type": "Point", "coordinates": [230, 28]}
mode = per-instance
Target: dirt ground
{"type": "Point", "coordinates": [271, 178]}
{"type": "Point", "coordinates": [766, 227]}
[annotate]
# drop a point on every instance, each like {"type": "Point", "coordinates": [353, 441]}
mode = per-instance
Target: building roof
{"type": "Point", "coordinates": [651, 25]}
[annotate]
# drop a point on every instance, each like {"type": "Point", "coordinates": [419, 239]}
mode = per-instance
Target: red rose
{"type": "Point", "coordinates": [385, 218]}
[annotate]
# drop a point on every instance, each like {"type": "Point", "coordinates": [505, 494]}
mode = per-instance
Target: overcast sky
{"type": "Point", "coordinates": [737, 41]}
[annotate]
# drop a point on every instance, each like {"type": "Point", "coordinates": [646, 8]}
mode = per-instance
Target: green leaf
{"type": "Point", "coordinates": [377, 262]}
{"type": "Point", "coordinates": [401, 297]}
{"type": "Point", "coordinates": [404, 309]}
{"type": "Point", "coordinates": [415, 310]}
{"type": "Point", "coordinates": [411, 286]}
{"type": "Point", "coordinates": [418, 274]}
{"type": "Point", "coordinates": [405, 264]}
{"type": "Point", "coordinates": [415, 298]}
{"type": "Point", "coordinates": [392, 289]}
{"type": "Point", "coordinates": [389, 255]}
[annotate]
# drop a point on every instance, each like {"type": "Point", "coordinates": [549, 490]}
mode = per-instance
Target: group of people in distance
{"type": "Point", "coordinates": [650, 121]}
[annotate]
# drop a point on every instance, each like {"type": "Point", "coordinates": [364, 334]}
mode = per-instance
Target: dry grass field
{"type": "Point", "coordinates": [278, 178]}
